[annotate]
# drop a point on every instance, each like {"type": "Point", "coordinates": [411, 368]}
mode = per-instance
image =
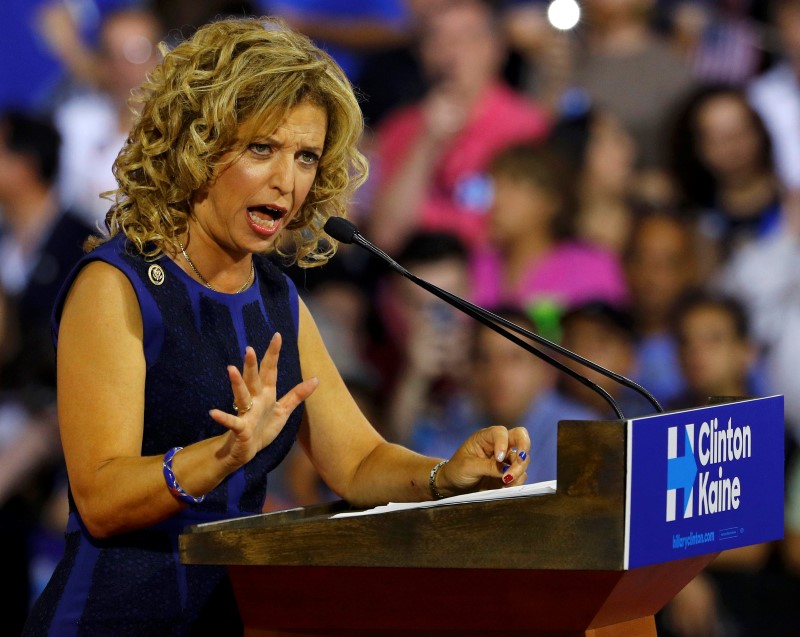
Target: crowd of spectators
{"type": "Point", "coordinates": [630, 187]}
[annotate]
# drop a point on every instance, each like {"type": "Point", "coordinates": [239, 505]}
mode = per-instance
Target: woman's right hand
{"type": "Point", "coordinates": [491, 458]}
{"type": "Point", "coordinates": [261, 415]}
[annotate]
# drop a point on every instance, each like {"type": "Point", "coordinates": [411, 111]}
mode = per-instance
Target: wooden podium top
{"type": "Point", "coordinates": [581, 527]}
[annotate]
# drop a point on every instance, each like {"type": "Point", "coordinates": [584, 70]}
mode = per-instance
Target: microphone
{"type": "Point", "coordinates": [346, 232]}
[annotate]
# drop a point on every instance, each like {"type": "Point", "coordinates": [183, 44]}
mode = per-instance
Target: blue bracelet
{"type": "Point", "coordinates": [174, 488]}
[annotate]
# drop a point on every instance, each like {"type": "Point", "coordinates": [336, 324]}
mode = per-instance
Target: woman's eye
{"type": "Point", "coordinates": [309, 158]}
{"type": "Point", "coordinates": [261, 149]}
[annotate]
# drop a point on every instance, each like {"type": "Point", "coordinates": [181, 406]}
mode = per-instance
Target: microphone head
{"type": "Point", "coordinates": [341, 229]}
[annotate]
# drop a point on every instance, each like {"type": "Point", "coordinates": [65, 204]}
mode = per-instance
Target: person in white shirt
{"type": "Point", "coordinates": [95, 124]}
{"type": "Point", "coordinates": [776, 94]}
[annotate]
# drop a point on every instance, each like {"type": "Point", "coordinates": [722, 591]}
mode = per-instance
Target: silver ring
{"type": "Point", "coordinates": [242, 412]}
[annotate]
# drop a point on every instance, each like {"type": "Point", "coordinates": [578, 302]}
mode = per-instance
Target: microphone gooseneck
{"type": "Point", "coordinates": [346, 232]}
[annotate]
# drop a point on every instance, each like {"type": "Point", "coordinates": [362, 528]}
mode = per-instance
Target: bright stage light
{"type": "Point", "coordinates": [564, 14]}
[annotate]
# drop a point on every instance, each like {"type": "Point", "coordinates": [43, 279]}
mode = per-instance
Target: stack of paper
{"type": "Point", "coordinates": [523, 491]}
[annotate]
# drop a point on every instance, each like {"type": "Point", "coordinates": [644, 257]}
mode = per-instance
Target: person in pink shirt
{"type": "Point", "coordinates": [431, 157]}
{"type": "Point", "coordinates": [532, 259]}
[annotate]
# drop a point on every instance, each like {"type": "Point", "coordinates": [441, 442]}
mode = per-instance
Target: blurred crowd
{"type": "Point", "coordinates": [629, 188]}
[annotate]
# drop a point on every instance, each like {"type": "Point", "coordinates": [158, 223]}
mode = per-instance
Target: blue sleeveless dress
{"type": "Point", "coordinates": [134, 583]}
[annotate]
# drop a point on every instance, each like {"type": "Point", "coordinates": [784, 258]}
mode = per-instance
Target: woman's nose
{"type": "Point", "coordinates": [282, 173]}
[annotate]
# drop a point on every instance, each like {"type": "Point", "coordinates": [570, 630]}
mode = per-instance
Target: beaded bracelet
{"type": "Point", "coordinates": [432, 480]}
{"type": "Point", "coordinates": [174, 488]}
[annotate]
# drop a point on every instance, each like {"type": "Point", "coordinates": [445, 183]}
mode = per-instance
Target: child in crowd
{"type": "Point", "coordinates": [533, 260]}
{"type": "Point", "coordinates": [660, 268]}
{"type": "Point", "coordinates": [603, 334]}
{"type": "Point", "coordinates": [716, 352]}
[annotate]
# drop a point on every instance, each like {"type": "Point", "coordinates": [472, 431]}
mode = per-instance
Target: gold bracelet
{"type": "Point", "coordinates": [432, 480]}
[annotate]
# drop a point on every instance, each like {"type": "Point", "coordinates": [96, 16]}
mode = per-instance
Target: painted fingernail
{"type": "Point", "coordinates": [507, 478]}
{"type": "Point", "coordinates": [501, 456]}
{"type": "Point", "coordinates": [506, 467]}
{"type": "Point", "coordinates": [522, 455]}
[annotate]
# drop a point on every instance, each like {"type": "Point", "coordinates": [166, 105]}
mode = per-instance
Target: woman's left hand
{"type": "Point", "coordinates": [260, 414]}
{"type": "Point", "coordinates": [490, 458]}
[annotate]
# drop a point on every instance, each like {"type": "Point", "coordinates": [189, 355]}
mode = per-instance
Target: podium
{"type": "Point", "coordinates": [559, 565]}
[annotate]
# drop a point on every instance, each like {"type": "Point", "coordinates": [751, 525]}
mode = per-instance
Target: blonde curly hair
{"type": "Point", "coordinates": [191, 108]}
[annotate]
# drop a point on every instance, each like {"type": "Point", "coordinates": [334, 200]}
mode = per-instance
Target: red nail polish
{"type": "Point", "coordinates": [507, 478]}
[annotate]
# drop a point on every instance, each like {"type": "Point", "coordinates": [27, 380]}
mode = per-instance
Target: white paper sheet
{"type": "Point", "coordinates": [522, 491]}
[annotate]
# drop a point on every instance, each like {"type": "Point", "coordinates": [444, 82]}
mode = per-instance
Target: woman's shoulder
{"type": "Point", "coordinates": [96, 281]}
{"type": "Point", "coordinates": [95, 263]}
{"type": "Point", "coordinates": [123, 254]}
{"type": "Point", "coordinates": [114, 260]}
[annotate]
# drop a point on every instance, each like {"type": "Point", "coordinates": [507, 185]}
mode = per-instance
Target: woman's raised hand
{"type": "Point", "coordinates": [490, 458]}
{"type": "Point", "coordinates": [260, 414]}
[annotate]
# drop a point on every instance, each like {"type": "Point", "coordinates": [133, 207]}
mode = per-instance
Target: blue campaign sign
{"type": "Point", "coordinates": [704, 480]}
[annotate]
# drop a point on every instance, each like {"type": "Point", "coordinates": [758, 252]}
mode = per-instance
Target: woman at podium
{"type": "Point", "coordinates": [187, 364]}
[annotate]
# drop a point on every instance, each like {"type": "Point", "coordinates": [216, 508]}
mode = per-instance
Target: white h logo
{"type": "Point", "coordinates": [681, 471]}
